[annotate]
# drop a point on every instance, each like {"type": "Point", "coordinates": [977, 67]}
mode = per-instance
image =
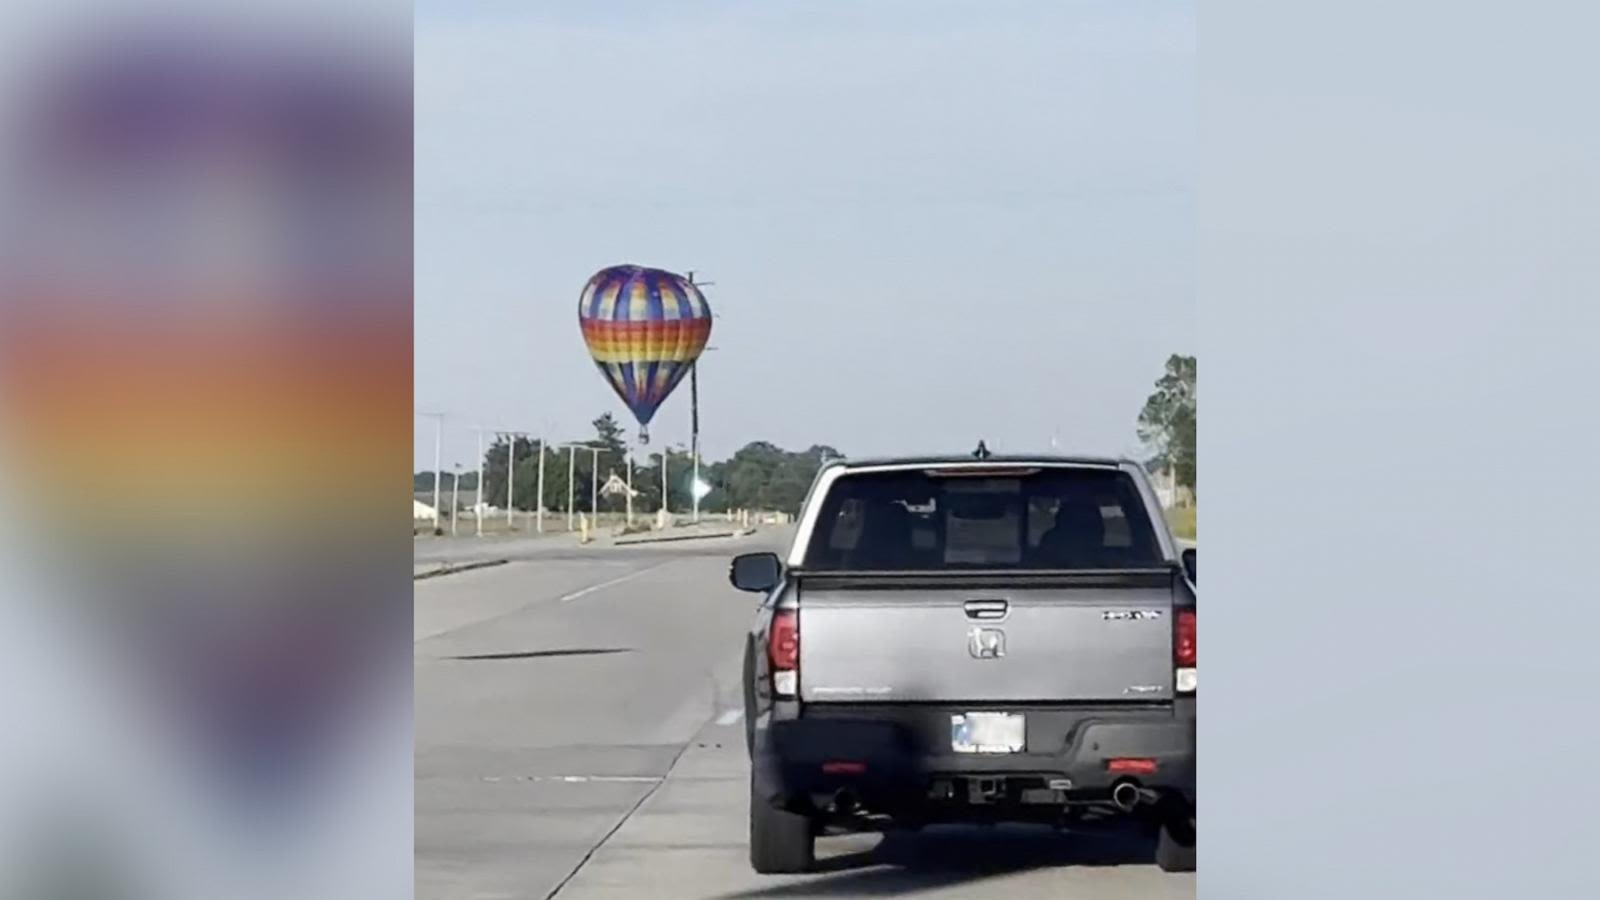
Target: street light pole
{"type": "Point", "coordinates": [694, 435]}
{"type": "Point", "coordinates": [572, 475]}
{"type": "Point", "coordinates": [477, 510]}
{"type": "Point", "coordinates": [455, 498]}
{"type": "Point", "coordinates": [438, 467]}
{"type": "Point", "coordinates": [511, 476]}
{"type": "Point", "coordinates": [540, 505]}
{"type": "Point", "coordinates": [694, 418]}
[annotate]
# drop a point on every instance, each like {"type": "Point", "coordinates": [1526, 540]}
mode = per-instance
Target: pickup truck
{"type": "Point", "coordinates": [972, 640]}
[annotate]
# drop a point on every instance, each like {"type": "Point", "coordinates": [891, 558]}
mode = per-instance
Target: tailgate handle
{"type": "Point", "coordinates": [987, 610]}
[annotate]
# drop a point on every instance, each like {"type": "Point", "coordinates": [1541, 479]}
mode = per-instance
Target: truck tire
{"type": "Point", "coordinates": [1175, 850]}
{"type": "Point", "coordinates": [749, 702]}
{"type": "Point", "coordinates": [780, 841]}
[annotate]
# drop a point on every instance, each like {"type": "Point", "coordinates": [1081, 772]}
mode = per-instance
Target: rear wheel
{"type": "Point", "coordinates": [780, 841]}
{"type": "Point", "coordinates": [1175, 850]}
{"type": "Point", "coordinates": [749, 702]}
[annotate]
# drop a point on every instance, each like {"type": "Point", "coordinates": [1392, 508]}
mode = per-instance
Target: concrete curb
{"type": "Point", "coordinates": [661, 539]}
{"type": "Point", "coordinates": [451, 569]}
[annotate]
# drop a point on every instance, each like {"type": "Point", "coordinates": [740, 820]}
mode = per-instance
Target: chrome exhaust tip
{"type": "Point", "coordinates": [845, 802]}
{"type": "Point", "coordinates": [1128, 795]}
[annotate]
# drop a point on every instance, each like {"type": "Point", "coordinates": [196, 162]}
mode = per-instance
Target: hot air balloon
{"type": "Point", "coordinates": [645, 328]}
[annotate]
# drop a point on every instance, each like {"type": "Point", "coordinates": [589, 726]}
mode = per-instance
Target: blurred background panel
{"type": "Point", "coordinates": [205, 398]}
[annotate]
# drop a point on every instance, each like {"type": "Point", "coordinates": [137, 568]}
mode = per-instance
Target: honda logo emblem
{"type": "Point", "coordinates": [986, 643]}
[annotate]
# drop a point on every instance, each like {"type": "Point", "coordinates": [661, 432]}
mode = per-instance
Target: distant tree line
{"type": "Point", "coordinates": [422, 482]}
{"type": "Point", "coordinates": [759, 475]}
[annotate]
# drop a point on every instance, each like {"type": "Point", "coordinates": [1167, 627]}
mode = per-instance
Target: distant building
{"type": "Point", "coordinates": [614, 486]}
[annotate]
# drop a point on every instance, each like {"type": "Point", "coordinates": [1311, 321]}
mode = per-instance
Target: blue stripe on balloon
{"type": "Point", "coordinates": [656, 310]}
{"type": "Point", "coordinates": [620, 283]}
{"type": "Point", "coordinates": [626, 369]}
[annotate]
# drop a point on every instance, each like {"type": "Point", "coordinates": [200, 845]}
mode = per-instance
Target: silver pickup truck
{"type": "Point", "coordinates": [972, 639]}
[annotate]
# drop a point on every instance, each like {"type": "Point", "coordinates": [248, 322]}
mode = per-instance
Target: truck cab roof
{"type": "Point", "coordinates": [948, 459]}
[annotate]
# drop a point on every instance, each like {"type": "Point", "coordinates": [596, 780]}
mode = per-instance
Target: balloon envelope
{"type": "Point", "coordinates": [645, 328]}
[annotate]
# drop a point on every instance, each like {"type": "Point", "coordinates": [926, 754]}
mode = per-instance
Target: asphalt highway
{"type": "Point", "coordinates": [578, 736]}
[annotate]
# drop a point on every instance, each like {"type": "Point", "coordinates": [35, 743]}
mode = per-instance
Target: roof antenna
{"type": "Point", "coordinates": [982, 452]}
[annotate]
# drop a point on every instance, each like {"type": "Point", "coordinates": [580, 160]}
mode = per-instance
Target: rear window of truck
{"type": "Point", "coordinates": [1037, 518]}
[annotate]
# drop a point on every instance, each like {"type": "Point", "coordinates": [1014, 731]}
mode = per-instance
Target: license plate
{"type": "Point", "coordinates": [988, 733]}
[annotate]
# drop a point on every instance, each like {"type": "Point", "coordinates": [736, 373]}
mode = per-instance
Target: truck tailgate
{"type": "Point", "coordinates": [1058, 637]}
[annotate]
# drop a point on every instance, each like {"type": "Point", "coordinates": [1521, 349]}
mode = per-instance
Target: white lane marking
{"type": "Point", "coordinates": [579, 779]}
{"type": "Point", "coordinates": [584, 592]}
{"type": "Point", "coordinates": [730, 717]}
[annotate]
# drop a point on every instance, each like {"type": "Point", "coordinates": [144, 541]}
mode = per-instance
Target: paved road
{"type": "Point", "coordinates": [578, 737]}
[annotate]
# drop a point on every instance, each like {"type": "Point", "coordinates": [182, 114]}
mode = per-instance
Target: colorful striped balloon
{"type": "Point", "coordinates": [644, 328]}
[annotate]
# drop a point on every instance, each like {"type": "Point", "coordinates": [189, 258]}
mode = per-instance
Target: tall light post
{"type": "Point", "coordinates": [629, 460]}
{"type": "Point", "coordinates": [694, 424]}
{"type": "Point", "coordinates": [572, 475]}
{"type": "Point", "coordinates": [694, 410]}
{"type": "Point", "coordinates": [511, 477]}
{"type": "Point", "coordinates": [455, 498]}
{"type": "Point", "coordinates": [438, 467]}
{"type": "Point", "coordinates": [477, 509]}
{"type": "Point", "coordinates": [540, 488]}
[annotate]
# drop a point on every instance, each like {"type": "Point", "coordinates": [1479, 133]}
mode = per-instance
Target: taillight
{"type": "Point", "coordinates": [783, 641]}
{"type": "Point", "coordinates": [1185, 651]}
{"type": "Point", "coordinates": [1184, 646]}
{"type": "Point", "coordinates": [1130, 766]}
{"type": "Point", "coordinates": [783, 650]}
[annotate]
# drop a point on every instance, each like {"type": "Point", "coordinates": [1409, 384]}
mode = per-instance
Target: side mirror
{"type": "Point", "coordinates": [756, 572]}
{"type": "Point", "coordinates": [1188, 565]}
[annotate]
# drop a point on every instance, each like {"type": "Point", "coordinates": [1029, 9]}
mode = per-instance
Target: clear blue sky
{"type": "Point", "coordinates": [926, 221]}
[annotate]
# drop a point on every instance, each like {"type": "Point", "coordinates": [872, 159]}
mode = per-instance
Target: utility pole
{"type": "Point", "coordinates": [511, 476]}
{"type": "Point", "coordinates": [540, 525]}
{"type": "Point", "coordinates": [694, 436]}
{"type": "Point", "coordinates": [438, 467]}
{"type": "Point", "coordinates": [572, 476]}
{"type": "Point", "coordinates": [477, 510]}
{"type": "Point", "coordinates": [455, 498]}
{"type": "Point", "coordinates": [630, 485]}
{"type": "Point", "coordinates": [694, 421]}
{"type": "Point", "coordinates": [594, 486]}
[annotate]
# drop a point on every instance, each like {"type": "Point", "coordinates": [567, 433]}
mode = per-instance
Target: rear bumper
{"type": "Point", "coordinates": [898, 754]}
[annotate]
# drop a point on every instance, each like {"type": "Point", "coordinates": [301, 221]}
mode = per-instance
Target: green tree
{"type": "Point", "coordinates": [1167, 422]}
{"type": "Point", "coordinates": [422, 482]}
{"type": "Point", "coordinates": [647, 481]}
{"type": "Point", "coordinates": [494, 471]}
{"type": "Point", "coordinates": [609, 434]}
{"type": "Point", "coordinates": [762, 475]}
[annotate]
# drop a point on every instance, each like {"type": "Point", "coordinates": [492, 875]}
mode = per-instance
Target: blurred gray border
{"type": "Point", "coordinates": [1398, 284]}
